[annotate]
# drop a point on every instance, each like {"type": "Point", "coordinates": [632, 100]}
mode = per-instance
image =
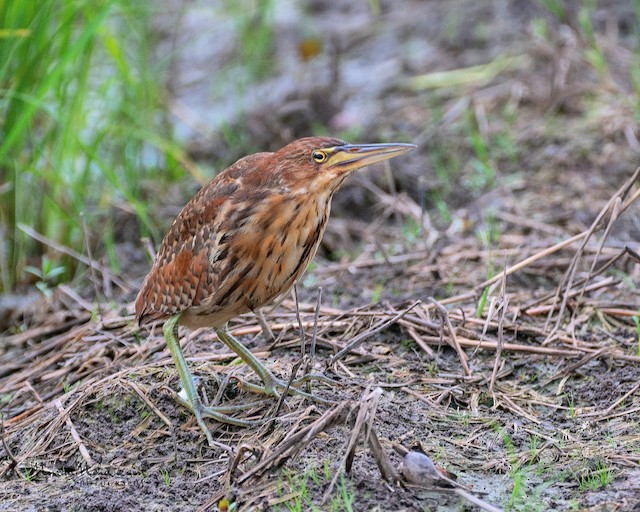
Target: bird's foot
{"type": "Point", "coordinates": [276, 387]}
{"type": "Point", "coordinates": [219, 413]}
{"type": "Point", "coordinates": [189, 396]}
{"type": "Point", "coordinates": [272, 386]}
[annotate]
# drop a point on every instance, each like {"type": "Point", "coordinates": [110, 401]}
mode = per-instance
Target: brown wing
{"type": "Point", "coordinates": [184, 273]}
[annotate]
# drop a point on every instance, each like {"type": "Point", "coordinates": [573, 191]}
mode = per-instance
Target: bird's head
{"type": "Point", "coordinates": [316, 164]}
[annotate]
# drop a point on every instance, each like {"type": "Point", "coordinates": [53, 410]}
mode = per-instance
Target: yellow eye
{"type": "Point", "coordinates": [319, 156]}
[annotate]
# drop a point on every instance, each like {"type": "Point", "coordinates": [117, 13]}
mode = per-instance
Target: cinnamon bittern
{"type": "Point", "coordinates": [242, 242]}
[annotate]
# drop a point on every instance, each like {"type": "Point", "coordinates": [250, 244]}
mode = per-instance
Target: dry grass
{"type": "Point", "coordinates": [70, 371]}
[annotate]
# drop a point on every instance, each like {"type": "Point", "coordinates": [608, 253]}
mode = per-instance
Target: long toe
{"type": "Point", "coordinates": [219, 413]}
{"type": "Point", "coordinates": [276, 387]}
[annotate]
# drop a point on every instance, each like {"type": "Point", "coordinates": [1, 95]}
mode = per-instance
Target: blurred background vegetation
{"type": "Point", "coordinates": [100, 143]}
{"type": "Point", "coordinates": [83, 128]}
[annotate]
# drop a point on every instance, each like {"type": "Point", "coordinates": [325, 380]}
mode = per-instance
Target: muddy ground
{"type": "Point", "coordinates": [525, 388]}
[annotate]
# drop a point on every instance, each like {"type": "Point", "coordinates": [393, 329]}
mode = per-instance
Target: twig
{"type": "Point", "coordinates": [452, 332]}
{"type": "Point", "coordinates": [423, 346]}
{"type": "Point", "coordinates": [91, 267]}
{"type": "Point", "coordinates": [527, 222]}
{"type": "Point", "coordinates": [501, 309]}
{"type": "Point", "coordinates": [303, 338]}
{"type": "Point", "coordinates": [571, 368]}
{"type": "Point", "coordinates": [615, 404]}
{"type": "Point", "coordinates": [149, 403]}
{"type": "Point", "coordinates": [367, 402]}
{"type": "Point", "coordinates": [373, 262]}
{"type": "Point", "coordinates": [298, 439]}
{"type": "Point", "coordinates": [316, 316]}
{"type": "Point", "coordinates": [74, 433]}
{"type": "Point", "coordinates": [73, 295]}
{"type": "Point", "coordinates": [387, 471]}
{"type": "Point", "coordinates": [531, 259]}
{"type": "Point", "coordinates": [583, 280]}
{"type": "Point", "coordinates": [14, 461]}
{"type": "Point", "coordinates": [576, 352]}
{"type": "Point", "coordinates": [615, 213]}
{"type": "Point", "coordinates": [280, 326]}
{"type": "Point", "coordinates": [613, 209]}
{"type": "Point", "coordinates": [377, 328]}
{"type": "Point", "coordinates": [283, 395]}
{"type": "Point", "coordinates": [533, 311]}
{"type": "Point", "coordinates": [76, 255]}
{"type": "Point", "coordinates": [474, 500]}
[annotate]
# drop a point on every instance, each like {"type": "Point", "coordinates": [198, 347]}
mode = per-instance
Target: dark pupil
{"type": "Point", "coordinates": [318, 156]}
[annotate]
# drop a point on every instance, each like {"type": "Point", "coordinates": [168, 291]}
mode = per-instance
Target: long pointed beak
{"type": "Point", "coordinates": [355, 156]}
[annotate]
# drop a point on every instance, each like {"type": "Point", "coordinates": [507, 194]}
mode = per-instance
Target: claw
{"type": "Point", "coordinates": [189, 397]}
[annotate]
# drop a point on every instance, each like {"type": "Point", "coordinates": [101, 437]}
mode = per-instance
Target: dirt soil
{"type": "Point", "coordinates": [524, 389]}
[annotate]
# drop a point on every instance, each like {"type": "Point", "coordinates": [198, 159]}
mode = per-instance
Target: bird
{"type": "Point", "coordinates": [241, 243]}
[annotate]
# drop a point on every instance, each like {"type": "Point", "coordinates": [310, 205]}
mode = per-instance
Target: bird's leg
{"type": "Point", "coordinates": [193, 400]}
{"type": "Point", "coordinates": [272, 385]}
